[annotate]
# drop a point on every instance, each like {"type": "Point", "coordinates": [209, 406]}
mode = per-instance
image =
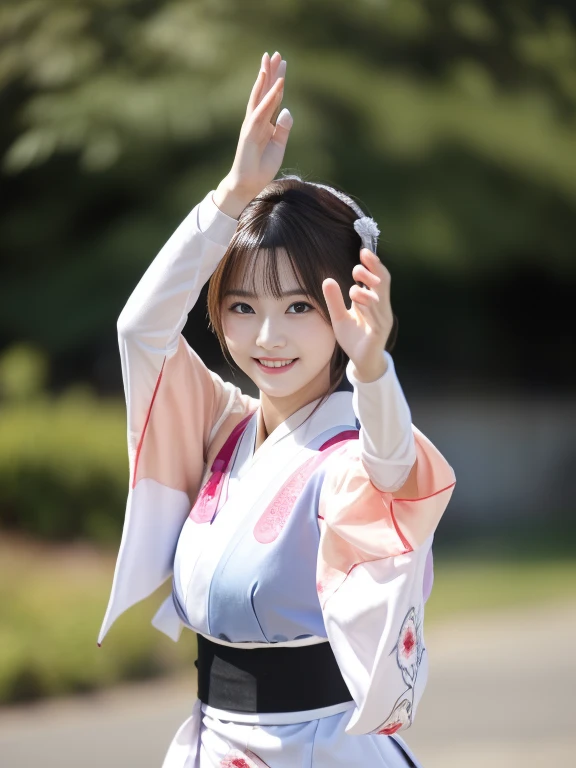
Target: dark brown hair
{"type": "Point", "coordinates": [315, 229]}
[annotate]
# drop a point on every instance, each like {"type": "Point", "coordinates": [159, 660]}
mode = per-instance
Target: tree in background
{"type": "Point", "coordinates": [453, 121]}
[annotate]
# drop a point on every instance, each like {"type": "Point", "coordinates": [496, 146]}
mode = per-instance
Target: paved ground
{"type": "Point", "coordinates": [501, 694]}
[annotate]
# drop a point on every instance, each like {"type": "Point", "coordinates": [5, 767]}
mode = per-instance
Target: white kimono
{"type": "Point", "coordinates": [298, 546]}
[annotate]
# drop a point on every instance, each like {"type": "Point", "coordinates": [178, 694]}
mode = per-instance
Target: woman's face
{"type": "Point", "coordinates": [284, 345]}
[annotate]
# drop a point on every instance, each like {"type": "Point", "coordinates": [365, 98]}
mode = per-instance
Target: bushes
{"type": "Point", "coordinates": [64, 467]}
{"type": "Point", "coordinates": [64, 478]}
{"type": "Point", "coordinates": [52, 602]}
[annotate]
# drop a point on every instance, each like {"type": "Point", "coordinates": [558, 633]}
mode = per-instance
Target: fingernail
{"type": "Point", "coordinates": [285, 119]}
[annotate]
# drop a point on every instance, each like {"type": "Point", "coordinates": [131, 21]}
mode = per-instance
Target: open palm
{"type": "Point", "coordinates": [363, 330]}
{"type": "Point", "coordinates": [262, 143]}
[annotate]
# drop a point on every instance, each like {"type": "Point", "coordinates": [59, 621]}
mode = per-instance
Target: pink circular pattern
{"type": "Point", "coordinates": [274, 517]}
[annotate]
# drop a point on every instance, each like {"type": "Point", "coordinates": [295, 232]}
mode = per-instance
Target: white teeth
{"type": "Point", "coordinates": [275, 364]}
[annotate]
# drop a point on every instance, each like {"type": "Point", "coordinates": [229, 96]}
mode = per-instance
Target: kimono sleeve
{"type": "Point", "coordinates": [177, 409]}
{"type": "Point", "coordinates": [151, 322]}
{"type": "Point", "coordinates": [373, 565]}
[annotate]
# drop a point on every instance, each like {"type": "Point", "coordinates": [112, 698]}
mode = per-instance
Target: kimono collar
{"type": "Point", "coordinates": [303, 425]}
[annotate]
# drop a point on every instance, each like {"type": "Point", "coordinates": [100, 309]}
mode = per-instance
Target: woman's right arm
{"type": "Point", "coordinates": [150, 325]}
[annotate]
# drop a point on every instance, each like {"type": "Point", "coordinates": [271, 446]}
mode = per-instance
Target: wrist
{"type": "Point", "coordinates": [230, 199]}
{"type": "Point", "coordinates": [368, 373]}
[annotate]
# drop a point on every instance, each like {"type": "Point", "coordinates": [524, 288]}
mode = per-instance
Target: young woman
{"type": "Point", "coordinates": [297, 526]}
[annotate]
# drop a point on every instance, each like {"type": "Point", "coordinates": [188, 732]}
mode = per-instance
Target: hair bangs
{"type": "Point", "coordinates": [259, 259]}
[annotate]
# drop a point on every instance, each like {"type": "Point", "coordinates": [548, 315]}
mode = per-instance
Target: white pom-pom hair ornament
{"type": "Point", "coordinates": [368, 231]}
{"type": "Point", "coordinates": [364, 225]}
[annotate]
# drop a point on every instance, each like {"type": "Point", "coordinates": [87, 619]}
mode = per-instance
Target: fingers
{"type": "Point", "coordinates": [274, 69]}
{"type": "Point", "coordinates": [266, 68]}
{"type": "Point", "coordinates": [363, 275]}
{"type": "Point", "coordinates": [257, 89]}
{"type": "Point", "coordinates": [334, 300]}
{"type": "Point", "coordinates": [373, 274]}
{"type": "Point", "coordinates": [270, 102]}
{"type": "Point", "coordinates": [280, 70]}
{"type": "Point", "coordinates": [364, 296]}
{"type": "Point", "coordinates": [280, 73]}
{"type": "Point", "coordinates": [270, 70]}
{"type": "Point", "coordinates": [373, 263]}
{"type": "Point", "coordinates": [261, 85]}
{"type": "Point", "coordinates": [284, 124]}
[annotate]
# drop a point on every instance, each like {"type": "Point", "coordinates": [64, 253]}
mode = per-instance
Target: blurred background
{"type": "Point", "coordinates": [454, 124]}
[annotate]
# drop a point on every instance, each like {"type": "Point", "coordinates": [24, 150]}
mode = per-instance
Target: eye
{"type": "Point", "coordinates": [300, 308]}
{"type": "Point", "coordinates": [241, 308]}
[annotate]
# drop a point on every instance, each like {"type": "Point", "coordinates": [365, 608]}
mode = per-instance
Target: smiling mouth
{"type": "Point", "coordinates": [275, 366]}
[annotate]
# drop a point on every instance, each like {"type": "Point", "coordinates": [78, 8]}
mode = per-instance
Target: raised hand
{"type": "Point", "coordinates": [363, 330]}
{"type": "Point", "coordinates": [262, 143]}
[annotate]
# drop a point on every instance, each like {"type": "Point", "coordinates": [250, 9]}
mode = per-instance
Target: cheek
{"type": "Point", "coordinates": [236, 334]}
{"type": "Point", "coordinates": [317, 336]}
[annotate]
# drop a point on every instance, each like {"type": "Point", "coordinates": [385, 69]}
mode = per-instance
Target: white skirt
{"type": "Point", "coordinates": [207, 741]}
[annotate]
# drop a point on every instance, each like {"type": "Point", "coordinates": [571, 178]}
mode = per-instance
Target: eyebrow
{"type": "Point", "coordinates": [250, 295]}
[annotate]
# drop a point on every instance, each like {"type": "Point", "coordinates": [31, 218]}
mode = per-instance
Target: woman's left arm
{"type": "Point", "coordinates": [386, 439]}
{"type": "Point", "coordinates": [387, 445]}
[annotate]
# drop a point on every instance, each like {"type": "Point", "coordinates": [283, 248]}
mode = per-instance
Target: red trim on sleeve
{"type": "Point", "coordinates": [405, 543]}
{"type": "Point", "coordinates": [403, 539]}
{"type": "Point", "coordinates": [422, 498]}
{"type": "Point", "coordinates": [146, 424]}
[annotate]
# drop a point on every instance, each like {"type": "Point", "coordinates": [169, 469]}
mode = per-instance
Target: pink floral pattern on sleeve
{"type": "Point", "coordinates": [409, 650]}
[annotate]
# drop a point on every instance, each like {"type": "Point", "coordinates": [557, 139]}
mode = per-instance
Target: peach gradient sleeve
{"type": "Point", "coordinates": [189, 406]}
{"type": "Point", "coordinates": [164, 379]}
{"type": "Point", "coordinates": [362, 523]}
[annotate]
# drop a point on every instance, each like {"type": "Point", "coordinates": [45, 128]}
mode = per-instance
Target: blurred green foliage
{"type": "Point", "coordinates": [23, 372]}
{"type": "Point", "coordinates": [453, 119]}
{"type": "Point", "coordinates": [51, 605]}
{"type": "Point", "coordinates": [63, 459]}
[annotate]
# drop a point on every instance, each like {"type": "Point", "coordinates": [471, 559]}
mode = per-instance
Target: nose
{"type": "Point", "coordinates": [270, 335]}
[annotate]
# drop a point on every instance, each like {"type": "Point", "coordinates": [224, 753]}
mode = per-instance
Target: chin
{"type": "Point", "coordinates": [278, 390]}
{"type": "Point", "coordinates": [286, 389]}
